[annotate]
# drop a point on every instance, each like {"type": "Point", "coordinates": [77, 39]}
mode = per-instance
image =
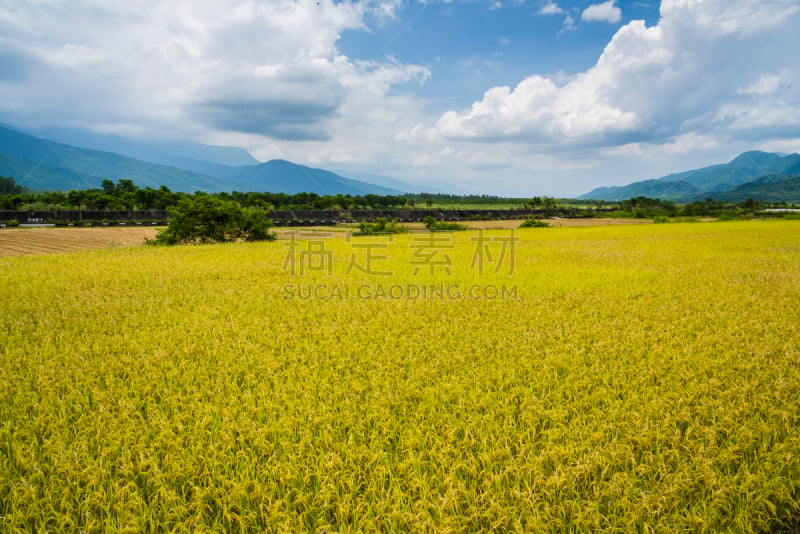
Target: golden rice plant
{"type": "Point", "coordinates": [640, 378]}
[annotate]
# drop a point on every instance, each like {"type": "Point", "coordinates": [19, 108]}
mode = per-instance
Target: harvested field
{"type": "Point", "coordinates": [24, 241]}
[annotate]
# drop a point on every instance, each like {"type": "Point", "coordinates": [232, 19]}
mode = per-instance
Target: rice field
{"type": "Point", "coordinates": [619, 378]}
{"type": "Point", "coordinates": [25, 241]}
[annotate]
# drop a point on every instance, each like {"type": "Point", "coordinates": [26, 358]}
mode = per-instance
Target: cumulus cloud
{"type": "Point", "coordinates": [551, 8]}
{"type": "Point", "coordinates": [189, 66]}
{"type": "Point", "coordinates": [537, 110]}
{"type": "Point", "coordinates": [712, 76]}
{"type": "Point", "coordinates": [707, 69]}
{"type": "Point", "coordinates": [605, 12]}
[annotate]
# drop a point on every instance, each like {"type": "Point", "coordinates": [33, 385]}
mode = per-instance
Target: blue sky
{"type": "Point", "coordinates": [508, 97]}
{"type": "Point", "coordinates": [473, 45]}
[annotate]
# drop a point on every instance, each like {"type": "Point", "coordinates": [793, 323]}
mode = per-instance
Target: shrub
{"type": "Point", "coordinates": [440, 226]}
{"type": "Point", "coordinates": [618, 214]}
{"type": "Point", "coordinates": [207, 219]}
{"type": "Point", "coordinates": [381, 226]}
{"type": "Point", "coordinates": [534, 223]}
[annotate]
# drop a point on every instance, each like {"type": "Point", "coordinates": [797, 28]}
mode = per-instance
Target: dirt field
{"type": "Point", "coordinates": [594, 222]}
{"type": "Point", "coordinates": [22, 241]}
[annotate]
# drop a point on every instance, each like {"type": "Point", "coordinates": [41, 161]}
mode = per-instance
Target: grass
{"type": "Point", "coordinates": [644, 378]}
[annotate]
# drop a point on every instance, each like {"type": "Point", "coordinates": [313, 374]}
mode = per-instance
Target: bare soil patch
{"type": "Point", "coordinates": [24, 241]}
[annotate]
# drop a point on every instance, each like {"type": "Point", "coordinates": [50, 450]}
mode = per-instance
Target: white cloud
{"type": "Point", "coordinates": [605, 12]}
{"type": "Point", "coordinates": [713, 77]}
{"type": "Point", "coordinates": [536, 109]}
{"type": "Point", "coordinates": [190, 67]}
{"type": "Point", "coordinates": [386, 9]}
{"type": "Point", "coordinates": [656, 85]}
{"type": "Point", "coordinates": [690, 142]}
{"type": "Point", "coordinates": [551, 8]}
{"type": "Point", "coordinates": [742, 17]}
{"type": "Point", "coordinates": [766, 84]}
{"type": "Point", "coordinates": [781, 145]}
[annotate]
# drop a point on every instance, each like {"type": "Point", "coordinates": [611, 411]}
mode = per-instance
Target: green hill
{"type": "Point", "coordinates": [679, 191]}
{"type": "Point", "coordinates": [704, 182]}
{"type": "Point", "coordinates": [43, 176]}
{"type": "Point", "coordinates": [770, 188]}
{"type": "Point", "coordinates": [40, 164]}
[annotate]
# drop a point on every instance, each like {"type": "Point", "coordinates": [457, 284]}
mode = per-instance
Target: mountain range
{"type": "Point", "coordinates": [64, 159]}
{"type": "Point", "coordinates": [56, 163]}
{"type": "Point", "coordinates": [757, 175]}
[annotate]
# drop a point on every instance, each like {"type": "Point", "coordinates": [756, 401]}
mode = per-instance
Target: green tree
{"type": "Point", "coordinates": [207, 219]}
{"type": "Point", "coordinates": [108, 187]}
{"type": "Point", "coordinates": [76, 198]}
{"type": "Point", "coordinates": [125, 186]}
{"type": "Point", "coordinates": [10, 186]}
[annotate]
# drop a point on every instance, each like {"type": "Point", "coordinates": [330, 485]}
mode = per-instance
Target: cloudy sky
{"type": "Point", "coordinates": [511, 97]}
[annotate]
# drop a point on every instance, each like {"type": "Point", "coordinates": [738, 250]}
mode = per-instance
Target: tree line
{"type": "Point", "coordinates": [125, 195]}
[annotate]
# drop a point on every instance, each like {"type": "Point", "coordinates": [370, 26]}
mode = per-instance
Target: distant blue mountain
{"type": "Point", "coordinates": [144, 149]}
{"type": "Point", "coordinates": [215, 161]}
{"type": "Point", "coordinates": [49, 165]}
{"type": "Point", "coordinates": [389, 182]}
{"type": "Point", "coordinates": [288, 177]}
{"type": "Point", "coordinates": [692, 185]}
{"type": "Point", "coordinates": [679, 190]}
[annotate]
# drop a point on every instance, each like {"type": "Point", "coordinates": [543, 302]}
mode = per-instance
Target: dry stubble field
{"type": "Point", "coordinates": [23, 241]}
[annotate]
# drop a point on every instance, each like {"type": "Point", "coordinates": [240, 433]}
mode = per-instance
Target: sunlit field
{"type": "Point", "coordinates": [24, 241]}
{"type": "Point", "coordinates": [624, 378]}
